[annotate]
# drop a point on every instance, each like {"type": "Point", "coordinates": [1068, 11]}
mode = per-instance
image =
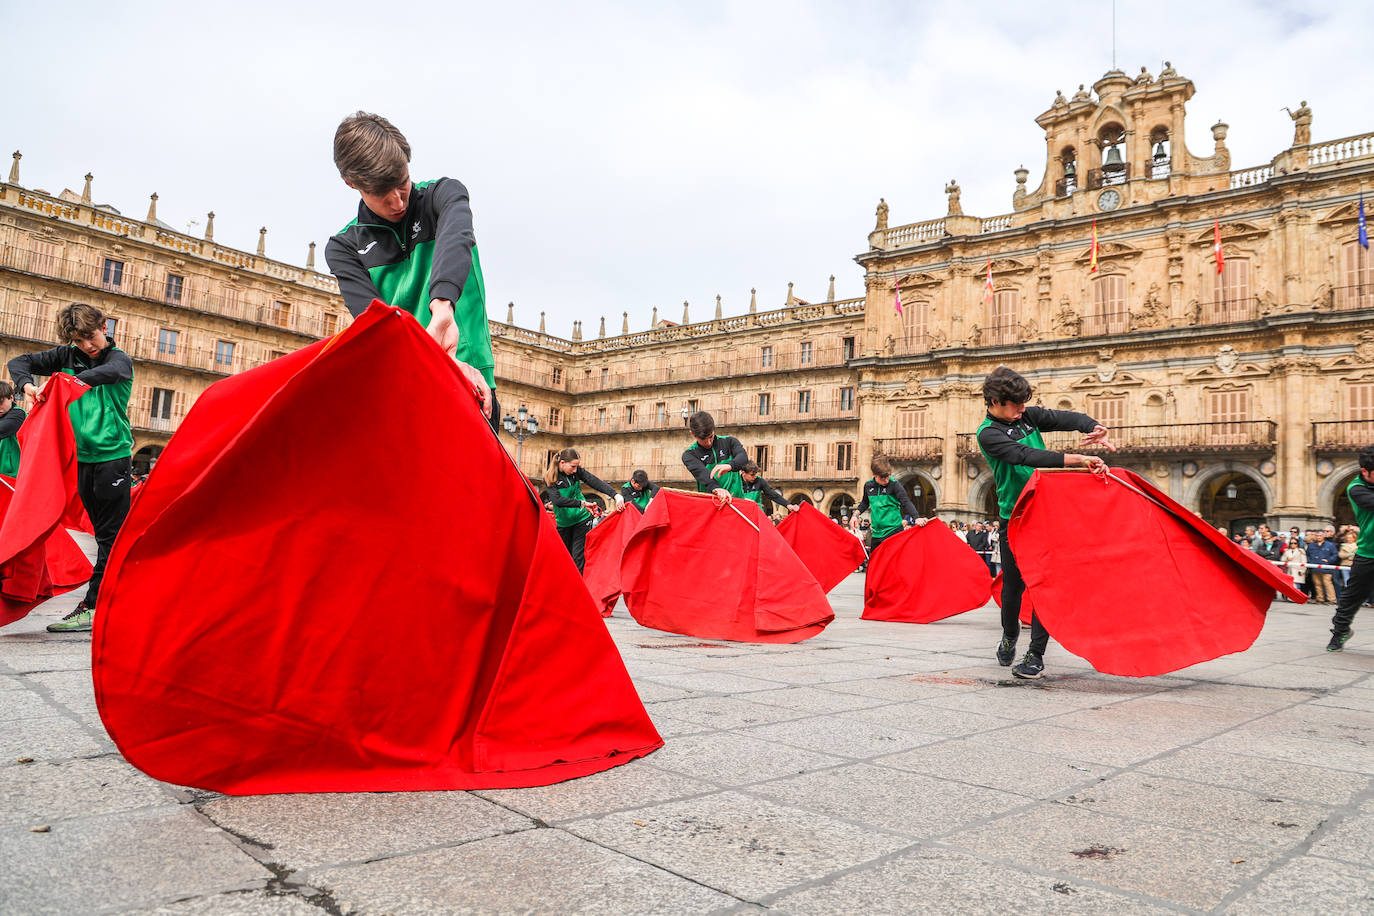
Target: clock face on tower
{"type": "Point", "coordinates": [1109, 199]}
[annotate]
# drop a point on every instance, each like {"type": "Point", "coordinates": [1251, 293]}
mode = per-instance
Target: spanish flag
{"type": "Point", "coordinates": [1216, 244]}
{"type": "Point", "coordinates": [1092, 252]}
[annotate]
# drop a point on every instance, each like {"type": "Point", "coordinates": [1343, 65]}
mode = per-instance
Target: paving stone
{"type": "Point", "coordinates": [1234, 696]}
{"type": "Point", "coordinates": [842, 735]}
{"type": "Point", "coordinates": [744, 846]}
{"type": "Point", "coordinates": [25, 705]}
{"type": "Point", "coordinates": [1148, 718]}
{"type": "Point", "coordinates": [941, 882]}
{"type": "Point", "coordinates": [813, 700]}
{"type": "Point", "coordinates": [725, 712]}
{"type": "Point", "coordinates": [822, 673]}
{"type": "Point", "coordinates": [1257, 741]}
{"type": "Point", "coordinates": [51, 737]}
{"type": "Point", "coordinates": [1021, 703]}
{"type": "Point", "coordinates": [931, 719]}
{"type": "Point", "coordinates": [632, 785]}
{"type": "Point", "coordinates": [1302, 677]}
{"type": "Point", "coordinates": [361, 825]}
{"type": "Point", "coordinates": [905, 687]}
{"type": "Point", "coordinates": [668, 727]}
{"type": "Point", "coordinates": [1186, 867]}
{"type": "Point", "coordinates": [235, 903]}
{"type": "Point", "coordinates": [649, 692]}
{"type": "Point", "coordinates": [1309, 885]}
{"type": "Point", "coordinates": [537, 871]}
{"type": "Point", "coordinates": [1256, 774]}
{"type": "Point", "coordinates": [735, 760]}
{"type": "Point", "coordinates": [1075, 744]}
{"type": "Point", "coordinates": [900, 801]}
{"type": "Point", "coordinates": [977, 763]}
{"type": "Point", "coordinates": [120, 860]}
{"type": "Point", "coordinates": [46, 793]}
{"type": "Point", "coordinates": [715, 682]}
{"type": "Point", "coordinates": [1350, 840]}
{"type": "Point", "coordinates": [55, 653]}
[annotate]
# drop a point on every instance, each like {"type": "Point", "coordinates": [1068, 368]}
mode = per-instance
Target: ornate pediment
{"type": "Point", "coordinates": [1230, 232]}
{"type": "Point", "coordinates": [1119, 378]}
{"type": "Point", "coordinates": [1218, 373]}
{"type": "Point", "coordinates": [1345, 213]}
{"type": "Point", "coordinates": [1109, 251]}
{"type": "Point", "coordinates": [920, 279]}
{"type": "Point", "coordinates": [912, 390]}
{"type": "Point", "coordinates": [1002, 266]}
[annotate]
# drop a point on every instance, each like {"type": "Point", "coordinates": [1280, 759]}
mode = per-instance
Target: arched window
{"type": "Point", "coordinates": [1068, 182]}
{"type": "Point", "coordinates": [1003, 323]}
{"type": "Point", "coordinates": [1357, 279]}
{"type": "Point", "coordinates": [1109, 314]}
{"type": "Point", "coordinates": [1231, 298]}
{"type": "Point", "coordinates": [1111, 139]}
{"type": "Point", "coordinates": [1157, 165]}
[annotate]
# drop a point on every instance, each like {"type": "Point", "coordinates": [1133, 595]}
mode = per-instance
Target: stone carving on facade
{"type": "Point", "coordinates": [1029, 329]}
{"type": "Point", "coordinates": [1059, 100]}
{"type": "Point", "coordinates": [1067, 323]}
{"type": "Point", "coordinates": [1194, 312]}
{"type": "Point", "coordinates": [1227, 359]}
{"type": "Point", "coordinates": [975, 336]}
{"type": "Point", "coordinates": [959, 390]}
{"type": "Point", "coordinates": [882, 214]}
{"type": "Point", "coordinates": [938, 340]}
{"type": "Point", "coordinates": [1152, 310]}
{"type": "Point", "coordinates": [952, 189]}
{"type": "Point", "coordinates": [1295, 364]}
{"type": "Point", "coordinates": [1168, 73]}
{"type": "Point", "coordinates": [1082, 95]}
{"type": "Point", "coordinates": [890, 345]}
{"type": "Point", "coordinates": [1364, 349]}
{"type": "Point", "coordinates": [1268, 303]}
{"type": "Point", "coordinates": [1325, 295]}
{"type": "Point", "coordinates": [1302, 124]}
{"type": "Point", "coordinates": [1144, 78]}
{"type": "Point", "coordinates": [1106, 370]}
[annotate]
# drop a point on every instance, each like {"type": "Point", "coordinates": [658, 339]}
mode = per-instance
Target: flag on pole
{"type": "Point", "coordinates": [987, 286]}
{"type": "Point", "coordinates": [1216, 244]}
{"type": "Point", "coordinates": [1364, 231]}
{"type": "Point", "coordinates": [897, 294]}
{"type": "Point", "coordinates": [1092, 251]}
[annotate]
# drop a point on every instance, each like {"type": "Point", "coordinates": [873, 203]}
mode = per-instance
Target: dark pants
{"type": "Point", "coordinates": [575, 539]}
{"type": "Point", "coordinates": [1355, 593]}
{"type": "Point", "coordinates": [874, 541]}
{"type": "Point", "coordinates": [1013, 587]}
{"type": "Point", "coordinates": [104, 490]}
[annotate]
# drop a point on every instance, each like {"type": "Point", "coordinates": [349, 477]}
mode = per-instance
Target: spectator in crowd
{"type": "Point", "coordinates": [977, 538]}
{"type": "Point", "coordinates": [1346, 552]}
{"type": "Point", "coordinates": [1271, 547]}
{"type": "Point", "coordinates": [1251, 536]}
{"type": "Point", "coordinates": [1320, 553]}
{"type": "Point", "coordinates": [994, 548]}
{"type": "Point", "coordinates": [1295, 561]}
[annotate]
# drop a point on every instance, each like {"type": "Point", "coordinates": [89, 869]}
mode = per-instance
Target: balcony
{"type": "Point", "coordinates": [1243, 437]}
{"type": "Point", "coordinates": [739, 366]}
{"type": "Point", "coordinates": [911, 448]}
{"type": "Point", "coordinates": [1106, 177]}
{"type": "Point", "coordinates": [1230, 311]}
{"type": "Point", "coordinates": [1342, 437]}
{"type": "Point", "coordinates": [726, 418]}
{"type": "Point", "coordinates": [1346, 298]}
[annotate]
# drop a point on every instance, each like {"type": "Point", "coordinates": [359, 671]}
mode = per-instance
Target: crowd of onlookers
{"type": "Point", "coordinates": [1318, 559]}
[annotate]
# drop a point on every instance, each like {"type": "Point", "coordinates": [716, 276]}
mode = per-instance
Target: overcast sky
{"type": "Point", "coordinates": [622, 156]}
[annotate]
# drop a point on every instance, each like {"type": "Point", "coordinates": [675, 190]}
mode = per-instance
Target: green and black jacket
{"type": "Point", "coordinates": [761, 488]}
{"type": "Point", "coordinates": [640, 498]}
{"type": "Point", "coordinates": [1015, 450]}
{"type": "Point", "coordinates": [1361, 496]}
{"type": "Point", "coordinates": [100, 418]}
{"type": "Point", "coordinates": [9, 445]}
{"type": "Point", "coordinates": [431, 254]}
{"type": "Point", "coordinates": [723, 450]}
{"type": "Point", "coordinates": [885, 504]}
{"type": "Point", "coordinates": [566, 496]}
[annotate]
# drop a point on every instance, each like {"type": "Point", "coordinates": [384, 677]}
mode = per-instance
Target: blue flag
{"type": "Point", "coordinates": [1364, 232]}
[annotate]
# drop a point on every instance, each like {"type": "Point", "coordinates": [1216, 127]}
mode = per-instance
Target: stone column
{"type": "Point", "coordinates": [1295, 487]}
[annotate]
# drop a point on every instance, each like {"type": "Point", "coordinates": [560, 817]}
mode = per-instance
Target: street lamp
{"type": "Point", "coordinates": [521, 426]}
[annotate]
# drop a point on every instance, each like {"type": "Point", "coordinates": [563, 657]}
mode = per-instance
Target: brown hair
{"type": "Point", "coordinates": [702, 424]}
{"type": "Point", "coordinates": [551, 473]}
{"type": "Point", "coordinates": [78, 320]}
{"type": "Point", "coordinates": [750, 467]}
{"type": "Point", "coordinates": [370, 153]}
{"type": "Point", "coordinates": [1005, 385]}
{"type": "Point", "coordinates": [6, 390]}
{"type": "Point", "coordinates": [881, 466]}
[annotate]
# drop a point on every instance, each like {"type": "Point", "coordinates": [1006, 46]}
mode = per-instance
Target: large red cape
{"type": "Point", "coordinates": [1157, 591]}
{"type": "Point", "coordinates": [924, 574]}
{"type": "Point", "coordinates": [718, 572]}
{"type": "Point", "coordinates": [829, 551]}
{"type": "Point", "coordinates": [605, 543]}
{"type": "Point", "coordinates": [274, 619]}
{"type": "Point", "coordinates": [1026, 607]}
{"type": "Point", "coordinates": [38, 559]}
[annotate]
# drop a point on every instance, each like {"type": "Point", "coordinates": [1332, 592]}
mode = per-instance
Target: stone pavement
{"type": "Point", "coordinates": [877, 768]}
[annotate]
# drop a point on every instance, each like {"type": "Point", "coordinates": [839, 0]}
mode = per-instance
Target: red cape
{"type": "Point", "coordinates": [924, 574]}
{"type": "Point", "coordinates": [829, 551]}
{"type": "Point", "coordinates": [274, 621]}
{"type": "Point", "coordinates": [718, 573]}
{"type": "Point", "coordinates": [1026, 607]}
{"type": "Point", "coordinates": [1159, 591]}
{"type": "Point", "coordinates": [38, 559]}
{"type": "Point", "coordinates": [605, 543]}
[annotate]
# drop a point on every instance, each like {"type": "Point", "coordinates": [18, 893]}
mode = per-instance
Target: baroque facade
{"type": "Point", "coordinates": [1244, 393]}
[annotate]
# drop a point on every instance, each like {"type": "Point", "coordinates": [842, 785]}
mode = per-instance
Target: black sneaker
{"type": "Point", "coordinates": [1006, 651]}
{"type": "Point", "coordinates": [1338, 640]}
{"type": "Point", "coordinates": [1031, 667]}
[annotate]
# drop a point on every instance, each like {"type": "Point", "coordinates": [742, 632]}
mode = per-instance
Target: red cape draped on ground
{"type": "Point", "coordinates": [924, 574]}
{"type": "Point", "coordinates": [829, 551]}
{"type": "Point", "coordinates": [702, 570]}
{"type": "Point", "coordinates": [1026, 607]}
{"type": "Point", "coordinates": [37, 558]}
{"type": "Point", "coordinates": [605, 543]}
{"type": "Point", "coordinates": [273, 620]}
{"type": "Point", "coordinates": [1161, 591]}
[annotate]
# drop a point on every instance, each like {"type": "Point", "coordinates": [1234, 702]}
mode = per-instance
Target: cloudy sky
{"type": "Point", "coordinates": [622, 156]}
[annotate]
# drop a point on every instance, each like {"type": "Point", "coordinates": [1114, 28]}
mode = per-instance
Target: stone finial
{"type": "Point", "coordinates": [152, 208]}
{"type": "Point", "coordinates": [602, 332]}
{"type": "Point", "coordinates": [14, 168]}
{"type": "Point", "coordinates": [686, 319]}
{"type": "Point", "coordinates": [210, 226]}
{"type": "Point", "coordinates": [830, 293]}
{"type": "Point", "coordinates": [790, 298]}
{"type": "Point", "coordinates": [510, 313]}
{"type": "Point", "coordinates": [310, 257]}
{"type": "Point", "coordinates": [624, 322]}
{"type": "Point", "coordinates": [753, 301]}
{"type": "Point", "coordinates": [718, 312]}
{"type": "Point", "coordinates": [541, 323]}
{"type": "Point", "coordinates": [86, 191]}
{"type": "Point", "coordinates": [262, 241]}
{"type": "Point", "coordinates": [653, 322]}
{"type": "Point", "coordinates": [577, 330]}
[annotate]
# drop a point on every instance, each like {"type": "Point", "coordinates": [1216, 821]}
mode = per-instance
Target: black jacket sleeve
{"type": "Point", "coordinates": [738, 458]}
{"type": "Point", "coordinates": [1051, 421]}
{"type": "Point", "coordinates": [1362, 497]}
{"type": "Point", "coordinates": [863, 501]}
{"type": "Point", "coordinates": [653, 489]}
{"type": "Point", "coordinates": [11, 421]}
{"type": "Point", "coordinates": [117, 367]}
{"type": "Point", "coordinates": [355, 283]}
{"type": "Point", "coordinates": [694, 465]}
{"type": "Point", "coordinates": [596, 483]}
{"type": "Point", "coordinates": [45, 362]}
{"type": "Point", "coordinates": [453, 240]}
{"type": "Point", "coordinates": [1002, 447]}
{"type": "Point", "coordinates": [775, 495]}
{"type": "Point", "coordinates": [904, 498]}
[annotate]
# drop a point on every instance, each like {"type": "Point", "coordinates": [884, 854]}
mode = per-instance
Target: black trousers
{"type": "Point", "coordinates": [1013, 587]}
{"type": "Point", "coordinates": [1355, 593]}
{"type": "Point", "coordinates": [575, 539]}
{"type": "Point", "coordinates": [104, 490]}
{"type": "Point", "coordinates": [873, 542]}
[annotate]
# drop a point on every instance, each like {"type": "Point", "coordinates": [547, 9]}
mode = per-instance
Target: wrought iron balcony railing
{"type": "Point", "coordinates": [1342, 437]}
{"type": "Point", "coordinates": [1224, 437]}
{"type": "Point", "coordinates": [911, 448]}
